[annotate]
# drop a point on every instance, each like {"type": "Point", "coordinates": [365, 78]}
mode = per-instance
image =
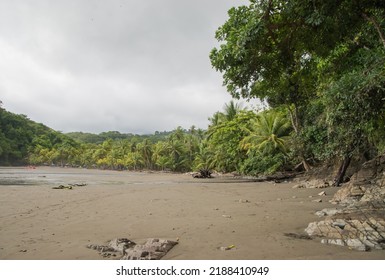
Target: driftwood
{"type": "Point", "coordinates": [203, 173]}
{"type": "Point", "coordinates": [62, 187]}
{"type": "Point", "coordinates": [69, 186]}
{"type": "Point", "coordinates": [275, 178]}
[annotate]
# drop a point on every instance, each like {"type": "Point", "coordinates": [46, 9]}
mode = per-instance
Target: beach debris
{"type": "Point", "coordinates": [226, 248]}
{"type": "Point", "coordinates": [278, 178]}
{"type": "Point", "coordinates": [202, 174]}
{"type": "Point", "coordinates": [69, 186]}
{"type": "Point", "coordinates": [317, 200]}
{"type": "Point", "coordinates": [226, 216]}
{"type": "Point", "coordinates": [62, 187]}
{"type": "Point", "coordinates": [322, 193]}
{"type": "Point", "coordinates": [243, 201]}
{"type": "Point", "coordinates": [78, 185]}
{"type": "Point", "coordinates": [125, 249]}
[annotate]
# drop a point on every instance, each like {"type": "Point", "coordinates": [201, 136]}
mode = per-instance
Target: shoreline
{"type": "Point", "coordinates": [38, 222]}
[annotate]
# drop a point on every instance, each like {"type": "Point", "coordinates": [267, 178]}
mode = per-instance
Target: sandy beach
{"type": "Point", "coordinates": [38, 222]}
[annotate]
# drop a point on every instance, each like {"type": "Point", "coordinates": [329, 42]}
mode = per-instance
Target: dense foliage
{"type": "Point", "coordinates": [324, 61]}
{"type": "Point", "coordinates": [23, 141]}
{"type": "Point", "coordinates": [228, 145]}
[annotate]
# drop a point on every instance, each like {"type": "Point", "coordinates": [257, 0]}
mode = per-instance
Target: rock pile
{"type": "Point", "coordinates": [360, 224]}
{"type": "Point", "coordinates": [313, 184]}
{"type": "Point", "coordinates": [125, 249]}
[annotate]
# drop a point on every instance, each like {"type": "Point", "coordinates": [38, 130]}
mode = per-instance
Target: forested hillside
{"type": "Point", "coordinates": [237, 139]}
{"type": "Point", "coordinates": [19, 137]}
{"type": "Point", "coordinates": [86, 137]}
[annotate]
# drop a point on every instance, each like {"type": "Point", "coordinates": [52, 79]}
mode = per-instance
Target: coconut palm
{"type": "Point", "coordinates": [269, 133]}
{"type": "Point", "coordinates": [146, 150]}
{"type": "Point", "coordinates": [231, 110]}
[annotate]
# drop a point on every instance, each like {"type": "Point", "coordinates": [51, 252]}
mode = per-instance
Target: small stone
{"type": "Point", "coordinates": [226, 248]}
{"type": "Point", "coordinates": [327, 212]}
{"type": "Point", "coordinates": [226, 216]}
{"type": "Point", "coordinates": [322, 193]}
{"type": "Point", "coordinates": [317, 200]}
{"type": "Point", "coordinates": [341, 224]}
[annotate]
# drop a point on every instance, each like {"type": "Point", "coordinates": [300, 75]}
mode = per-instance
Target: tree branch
{"type": "Point", "coordinates": [377, 26]}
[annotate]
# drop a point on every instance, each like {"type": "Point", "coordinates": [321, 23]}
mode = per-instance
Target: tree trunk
{"type": "Point", "coordinates": [296, 127]}
{"type": "Point", "coordinates": [306, 165]}
{"type": "Point", "coordinates": [342, 170]}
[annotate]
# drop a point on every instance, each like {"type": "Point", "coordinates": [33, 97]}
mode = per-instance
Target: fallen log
{"type": "Point", "coordinates": [276, 178]}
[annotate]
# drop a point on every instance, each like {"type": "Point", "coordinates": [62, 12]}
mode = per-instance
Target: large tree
{"type": "Point", "coordinates": [263, 55]}
{"type": "Point", "coordinates": [292, 53]}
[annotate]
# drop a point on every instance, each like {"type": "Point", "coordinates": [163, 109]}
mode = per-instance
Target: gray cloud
{"type": "Point", "coordinates": [132, 66]}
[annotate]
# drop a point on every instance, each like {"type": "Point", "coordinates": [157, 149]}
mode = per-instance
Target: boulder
{"type": "Point", "coordinates": [356, 231]}
{"type": "Point", "coordinates": [360, 224]}
{"type": "Point", "coordinates": [125, 249]}
{"type": "Point", "coordinates": [153, 249]}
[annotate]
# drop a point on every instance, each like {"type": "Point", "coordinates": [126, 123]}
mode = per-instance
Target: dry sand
{"type": "Point", "coordinates": [38, 222]}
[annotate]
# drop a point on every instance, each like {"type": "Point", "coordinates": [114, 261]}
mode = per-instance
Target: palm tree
{"type": "Point", "coordinates": [269, 133]}
{"type": "Point", "coordinates": [146, 150]}
{"type": "Point", "coordinates": [177, 154]}
{"type": "Point", "coordinates": [231, 110]}
{"type": "Point", "coordinates": [203, 159]}
{"type": "Point", "coordinates": [216, 119]}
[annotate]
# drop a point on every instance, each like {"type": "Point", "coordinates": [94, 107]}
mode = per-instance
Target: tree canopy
{"type": "Point", "coordinates": [311, 56]}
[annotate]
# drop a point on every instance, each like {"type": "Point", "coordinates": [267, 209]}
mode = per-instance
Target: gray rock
{"type": "Point", "coordinates": [327, 212]}
{"type": "Point", "coordinates": [339, 223]}
{"type": "Point", "coordinates": [125, 249]}
{"type": "Point", "coordinates": [360, 225]}
{"type": "Point", "coordinates": [153, 249]}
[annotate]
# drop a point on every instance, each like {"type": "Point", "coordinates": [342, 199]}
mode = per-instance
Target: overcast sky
{"type": "Point", "coordinates": [98, 65]}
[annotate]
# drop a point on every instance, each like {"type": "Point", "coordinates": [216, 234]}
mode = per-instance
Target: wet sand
{"type": "Point", "coordinates": [38, 222]}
